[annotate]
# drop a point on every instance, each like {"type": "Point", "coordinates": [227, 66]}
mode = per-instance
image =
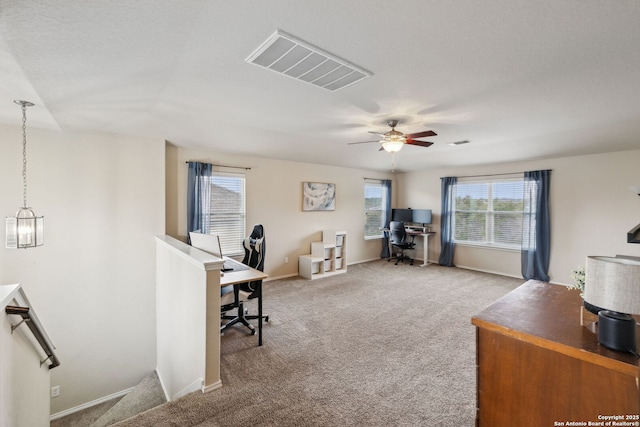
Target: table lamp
{"type": "Point", "coordinates": [614, 284]}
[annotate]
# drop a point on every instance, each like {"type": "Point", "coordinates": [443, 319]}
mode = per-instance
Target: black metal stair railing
{"type": "Point", "coordinates": [35, 330]}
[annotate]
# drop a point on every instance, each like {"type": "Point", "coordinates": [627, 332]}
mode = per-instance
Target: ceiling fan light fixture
{"type": "Point", "coordinates": [393, 143]}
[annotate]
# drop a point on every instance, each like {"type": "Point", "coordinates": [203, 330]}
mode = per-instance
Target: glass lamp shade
{"type": "Point", "coordinates": [25, 230]}
{"type": "Point", "coordinates": [392, 144]}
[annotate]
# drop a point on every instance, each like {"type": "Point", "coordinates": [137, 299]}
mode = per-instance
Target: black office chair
{"type": "Point", "coordinates": [254, 251]}
{"type": "Point", "coordinates": [254, 255]}
{"type": "Point", "coordinates": [400, 242]}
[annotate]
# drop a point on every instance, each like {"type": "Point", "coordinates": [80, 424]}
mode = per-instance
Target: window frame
{"type": "Point", "coordinates": [382, 210]}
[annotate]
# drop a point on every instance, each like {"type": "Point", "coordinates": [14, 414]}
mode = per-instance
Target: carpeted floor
{"type": "Point", "coordinates": [382, 345]}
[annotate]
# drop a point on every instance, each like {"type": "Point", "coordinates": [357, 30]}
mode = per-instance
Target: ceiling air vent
{"type": "Point", "coordinates": [285, 54]}
{"type": "Point", "coordinates": [459, 143]}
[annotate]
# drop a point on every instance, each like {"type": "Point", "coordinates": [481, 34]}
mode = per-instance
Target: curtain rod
{"type": "Point", "coordinates": [492, 174]}
{"type": "Point", "coordinates": [225, 166]}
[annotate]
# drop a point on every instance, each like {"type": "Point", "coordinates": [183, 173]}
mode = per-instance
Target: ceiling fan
{"type": "Point", "coordinates": [393, 141]}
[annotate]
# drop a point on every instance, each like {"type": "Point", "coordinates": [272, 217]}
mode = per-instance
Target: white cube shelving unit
{"type": "Point", "coordinates": [327, 257]}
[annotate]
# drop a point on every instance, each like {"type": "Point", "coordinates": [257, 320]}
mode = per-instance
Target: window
{"type": "Point", "coordinates": [227, 217]}
{"type": "Point", "coordinates": [489, 213]}
{"type": "Point", "coordinates": [375, 208]}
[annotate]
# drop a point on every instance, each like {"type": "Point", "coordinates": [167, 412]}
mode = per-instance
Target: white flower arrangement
{"type": "Point", "coordinates": [577, 275]}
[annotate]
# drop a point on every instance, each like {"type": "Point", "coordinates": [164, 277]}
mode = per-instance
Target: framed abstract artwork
{"type": "Point", "coordinates": [318, 196]}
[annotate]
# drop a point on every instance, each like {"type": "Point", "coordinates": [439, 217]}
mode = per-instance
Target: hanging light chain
{"type": "Point", "coordinates": [24, 105]}
{"type": "Point", "coordinates": [24, 154]}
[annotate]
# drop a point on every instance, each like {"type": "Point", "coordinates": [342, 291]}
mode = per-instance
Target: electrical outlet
{"type": "Point", "coordinates": [286, 259]}
{"type": "Point", "coordinates": [55, 391]}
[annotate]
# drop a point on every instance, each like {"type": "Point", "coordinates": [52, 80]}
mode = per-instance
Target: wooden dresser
{"type": "Point", "coordinates": [537, 366]}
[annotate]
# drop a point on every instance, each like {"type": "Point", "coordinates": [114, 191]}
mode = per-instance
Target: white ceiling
{"type": "Point", "coordinates": [520, 79]}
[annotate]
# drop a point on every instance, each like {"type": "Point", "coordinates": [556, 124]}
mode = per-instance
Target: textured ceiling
{"type": "Point", "coordinates": [519, 79]}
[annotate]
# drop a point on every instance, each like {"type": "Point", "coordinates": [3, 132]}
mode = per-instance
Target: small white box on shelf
{"type": "Point", "coordinates": [328, 253]}
{"type": "Point", "coordinates": [315, 267]}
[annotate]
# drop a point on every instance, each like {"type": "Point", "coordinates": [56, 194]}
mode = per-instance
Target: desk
{"type": "Point", "coordinates": [247, 274]}
{"type": "Point", "coordinates": [538, 367]}
{"type": "Point", "coordinates": [425, 243]}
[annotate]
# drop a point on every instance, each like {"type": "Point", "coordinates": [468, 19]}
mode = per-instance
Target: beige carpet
{"type": "Point", "coordinates": [382, 345]}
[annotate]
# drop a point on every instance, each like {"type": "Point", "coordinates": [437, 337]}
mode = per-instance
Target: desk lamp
{"type": "Point", "coordinates": [614, 284]}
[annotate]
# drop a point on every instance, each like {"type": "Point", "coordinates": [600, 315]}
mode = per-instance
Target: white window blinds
{"type": "Point", "coordinates": [375, 202]}
{"type": "Point", "coordinates": [489, 212]}
{"type": "Point", "coordinates": [227, 217]}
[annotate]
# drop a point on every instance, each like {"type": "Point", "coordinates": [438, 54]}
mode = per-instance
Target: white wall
{"type": "Point", "coordinates": [188, 315]}
{"type": "Point", "coordinates": [93, 282]}
{"type": "Point", "coordinates": [592, 209]}
{"type": "Point", "coordinates": [274, 199]}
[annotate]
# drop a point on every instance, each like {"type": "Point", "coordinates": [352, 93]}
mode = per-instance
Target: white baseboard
{"type": "Point", "coordinates": [284, 276]}
{"type": "Point", "coordinates": [212, 387]}
{"type": "Point", "coordinates": [89, 404]}
{"type": "Point", "coordinates": [364, 260]}
{"type": "Point", "coordinates": [164, 389]}
{"type": "Point", "coordinates": [194, 386]}
{"type": "Point", "coordinates": [499, 273]}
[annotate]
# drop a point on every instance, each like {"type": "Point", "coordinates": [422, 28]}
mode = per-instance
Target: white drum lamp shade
{"type": "Point", "coordinates": [613, 283]}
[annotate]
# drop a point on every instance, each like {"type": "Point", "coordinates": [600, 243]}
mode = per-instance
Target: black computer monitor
{"type": "Point", "coordinates": [404, 215]}
{"type": "Point", "coordinates": [421, 216]}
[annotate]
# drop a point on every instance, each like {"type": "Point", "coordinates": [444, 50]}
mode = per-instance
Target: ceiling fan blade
{"type": "Point", "coordinates": [361, 142]}
{"type": "Point", "coordinates": [420, 143]}
{"type": "Point", "coordinates": [421, 134]}
{"type": "Point", "coordinates": [377, 133]}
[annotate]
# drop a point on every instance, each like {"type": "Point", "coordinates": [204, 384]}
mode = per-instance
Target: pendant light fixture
{"type": "Point", "coordinates": [25, 230]}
